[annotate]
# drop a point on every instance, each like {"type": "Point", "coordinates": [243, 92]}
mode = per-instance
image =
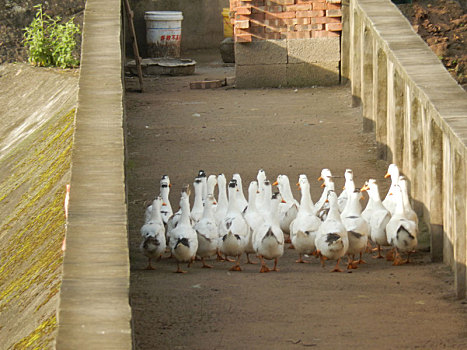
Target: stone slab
{"type": "Point", "coordinates": [257, 76]}
{"type": "Point", "coordinates": [261, 52]}
{"type": "Point", "coordinates": [313, 50]}
{"type": "Point", "coordinates": [309, 74]}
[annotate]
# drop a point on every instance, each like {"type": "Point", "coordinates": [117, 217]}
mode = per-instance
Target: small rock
{"type": "Point", "coordinates": [196, 115]}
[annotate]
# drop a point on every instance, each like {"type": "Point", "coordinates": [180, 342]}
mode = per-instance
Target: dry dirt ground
{"type": "Point", "coordinates": [177, 131]}
{"type": "Point", "coordinates": [443, 25]}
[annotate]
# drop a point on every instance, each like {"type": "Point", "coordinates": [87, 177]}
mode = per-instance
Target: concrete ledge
{"type": "Point", "coordinates": [314, 50]}
{"type": "Point", "coordinates": [257, 76]}
{"type": "Point", "coordinates": [261, 52]}
{"type": "Point", "coordinates": [418, 112]}
{"type": "Point", "coordinates": [94, 311]}
{"type": "Point", "coordinates": [306, 74]}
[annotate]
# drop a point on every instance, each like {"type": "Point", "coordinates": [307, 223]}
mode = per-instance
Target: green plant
{"type": "Point", "coordinates": [49, 42]}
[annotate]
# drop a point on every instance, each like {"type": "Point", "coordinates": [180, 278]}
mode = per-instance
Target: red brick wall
{"type": "Point", "coordinates": [285, 19]}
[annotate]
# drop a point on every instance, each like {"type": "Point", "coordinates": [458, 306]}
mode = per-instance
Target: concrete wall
{"type": "Point", "coordinates": [419, 115]}
{"type": "Point", "coordinates": [202, 25]}
{"type": "Point", "coordinates": [94, 311]}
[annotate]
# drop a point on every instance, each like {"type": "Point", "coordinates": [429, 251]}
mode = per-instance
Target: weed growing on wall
{"type": "Point", "coordinates": [49, 42]}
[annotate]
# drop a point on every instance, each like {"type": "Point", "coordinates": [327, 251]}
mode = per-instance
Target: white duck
{"type": "Point", "coordinates": [233, 229]}
{"type": "Point", "coordinates": [166, 209]}
{"type": "Point", "coordinates": [264, 205]}
{"type": "Point", "coordinates": [268, 240]}
{"type": "Point", "coordinates": [409, 212]}
{"type": "Point", "coordinates": [184, 241]}
{"type": "Point", "coordinates": [349, 188]}
{"type": "Point", "coordinates": [389, 201]}
{"type": "Point", "coordinates": [288, 209]}
{"type": "Point", "coordinates": [241, 200]}
{"type": "Point", "coordinates": [401, 231]}
{"type": "Point", "coordinates": [325, 175]}
{"type": "Point", "coordinates": [211, 185]}
{"type": "Point", "coordinates": [253, 218]}
{"type": "Point", "coordinates": [343, 197]}
{"type": "Point", "coordinates": [222, 201]}
{"type": "Point", "coordinates": [378, 217]}
{"type": "Point", "coordinates": [322, 206]}
{"type": "Point", "coordinates": [304, 228]}
{"type": "Point", "coordinates": [207, 232]}
{"type": "Point", "coordinates": [332, 240]}
{"type": "Point", "coordinates": [357, 228]}
{"type": "Point", "coordinates": [153, 232]}
{"type": "Point", "coordinates": [198, 207]}
{"type": "Point", "coordinates": [204, 181]}
{"type": "Point", "coordinates": [261, 178]}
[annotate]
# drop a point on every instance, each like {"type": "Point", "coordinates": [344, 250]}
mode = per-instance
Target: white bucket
{"type": "Point", "coordinates": [163, 33]}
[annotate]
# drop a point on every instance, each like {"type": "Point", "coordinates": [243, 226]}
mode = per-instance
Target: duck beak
{"type": "Point", "coordinates": [343, 188]}
{"type": "Point", "coordinates": [275, 183]}
{"type": "Point", "coordinates": [323, 185]}
{"type": "Point", "coordinates": [387, 175]}
{"type": "Point", "coordinates": [164, 204]}
{"type": "Point", "coordinates": [214, 202]}
{"type": "Point", "coordinates": [170, 185]}
{"type": "Point", "coordinates": [320, 178]}
{"type": "Point", "coordinates": [283, 201]}
{"type": "Point", "coordinates": [364, 188]}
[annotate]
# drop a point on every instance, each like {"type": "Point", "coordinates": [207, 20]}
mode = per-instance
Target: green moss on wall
{"type": "Point", "coordinates": [32, 228]}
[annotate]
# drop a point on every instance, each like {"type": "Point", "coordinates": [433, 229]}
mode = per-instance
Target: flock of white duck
{"type": "Point", "coordinates": [331, 228]}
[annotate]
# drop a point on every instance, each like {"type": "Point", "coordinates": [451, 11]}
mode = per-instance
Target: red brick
{"type": "Point", "coordinates": [244, 38]}
{"type": "Point", "coordinates": [242, 17]}
{"type": "Point", "coordinates": [319, 6]}
{"type": "Point", "coordinates": [298, 35]}
{"type": "Point", "coordinates": [323, 34]}
{"type": "Point", "coordinates": [274, 22]}
{"type": "Point", "coordinates": [280, 2]}
{"type": "Point", "coordinates": [334, 13]}
{"type": "Point", "coordinates": [268, 36]}
{"type": "Point", "coordinates": [310, 14]}
{"type": "Point", "coordinates": [298, 7]}
{"type": "Point", "coordinates": [257, 16]}
{"type": "Point", "coordinates": [333, 6]}
{"type": "Point", "coordinates": [256, 23]}
{"type": "Point", "coordinates": [266, 9]}
{"type": "Point", "coordinates": [308, 27]}
{"type": "Point", "coordinates": [303, 27]}
{"type": "Point", "coordinates": [326, 20]}
{"type": "Point", "coordinates": [280, 29]}
{"type": "Point", "coordinates": [241, 31]}
{"type": "Point", "coordinates": [288, 14]}
{"type": "Point", "coordinates": [243, 10]}
{"type": "Point", "coordinates": [303, 20]}
{"type": "Point", "coordinates": [334, 27]}
{"type": "Point", "coordinates": [242, 24]}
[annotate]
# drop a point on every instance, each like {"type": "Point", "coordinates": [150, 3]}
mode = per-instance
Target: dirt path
{"type": "Point", "coordinates": [283, 131]}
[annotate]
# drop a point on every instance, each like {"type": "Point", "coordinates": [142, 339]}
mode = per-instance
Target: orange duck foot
{"type": "Point", "coordinates": [235, 268]}
{"type": "Point", "coordinates": [264, 268]}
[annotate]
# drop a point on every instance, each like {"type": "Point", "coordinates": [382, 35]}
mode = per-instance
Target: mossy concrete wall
{"type": "Point", "coordinates": [419, 116]}
{"type": "Point", "coordinates": [36, 137]}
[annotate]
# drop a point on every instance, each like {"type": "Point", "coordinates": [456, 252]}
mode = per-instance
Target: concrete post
{"type": "Point", "coordinates": [460, 223]}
